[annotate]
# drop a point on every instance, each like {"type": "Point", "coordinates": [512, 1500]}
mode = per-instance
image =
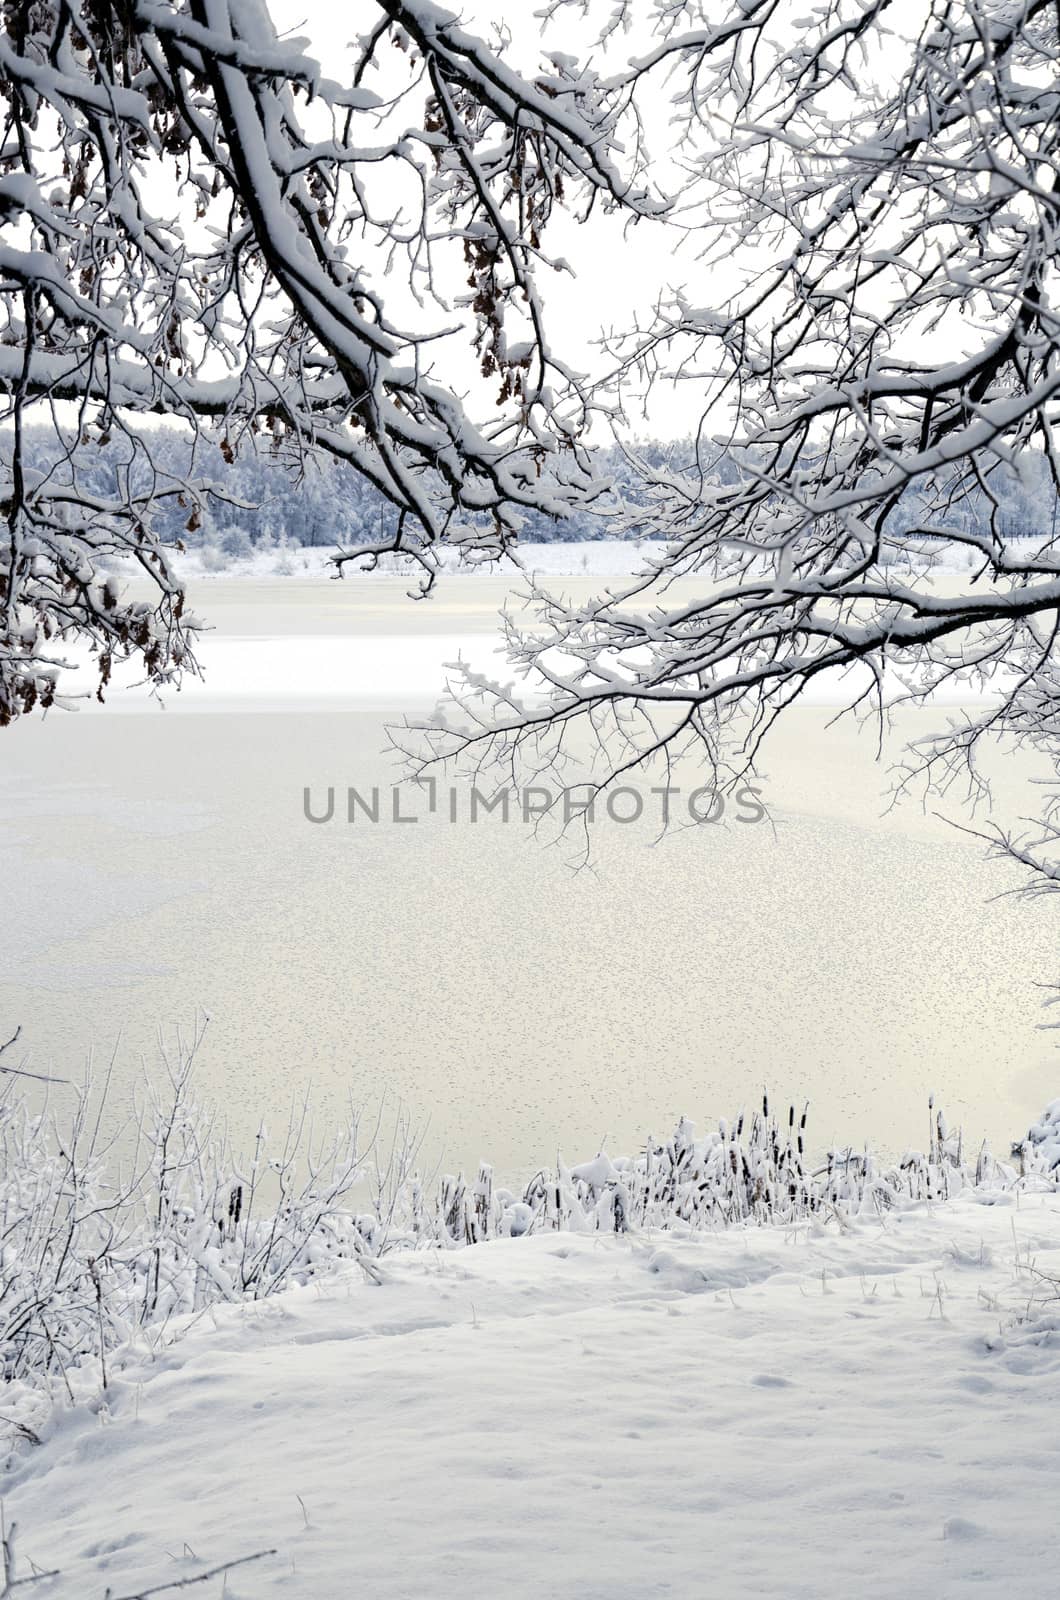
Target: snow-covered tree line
{"type": "Point", "coordinates": [327, 503]}
{"type": "Point", "coordinates": [262, 503]}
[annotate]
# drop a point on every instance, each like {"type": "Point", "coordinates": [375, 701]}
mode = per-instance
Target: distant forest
{"type": "Point", "coordinates": [334, 505]}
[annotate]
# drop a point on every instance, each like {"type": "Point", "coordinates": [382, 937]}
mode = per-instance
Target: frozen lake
{"type": "Point", "coordinates": [157, 862]}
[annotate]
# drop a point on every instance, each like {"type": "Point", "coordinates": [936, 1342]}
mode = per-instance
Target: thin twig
{"type": "Point", "coordinates": [186, 1583]}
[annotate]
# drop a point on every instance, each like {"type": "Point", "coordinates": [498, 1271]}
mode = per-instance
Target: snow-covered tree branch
{"type": "Point", "coordinates": [868, 332]}
{"type": "Point", "coordinates": [197, 224]}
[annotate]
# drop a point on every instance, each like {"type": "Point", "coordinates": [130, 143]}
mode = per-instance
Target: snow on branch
{"type": "Point", "coordinates": [867, 326]}
{"type": "Point", "coordinates": [197, 223]}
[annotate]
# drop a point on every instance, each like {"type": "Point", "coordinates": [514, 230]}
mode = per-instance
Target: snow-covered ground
{"type": "Point", "coordinates": [560, 558]}
{"type": "Point", "coordinates": [864, 1408]}
{"type": "Point", "coordinates": [563, 558]}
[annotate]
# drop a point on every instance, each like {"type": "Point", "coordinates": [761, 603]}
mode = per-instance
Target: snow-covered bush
{"type": "Point", "coordinates": [236, 543]}
{"type": "Point", "coordinates": [99, 1238]}
{"type": "Point", "coordinates": [1041, 1148]}
{"type": "Point", "coordinates": [754, 1169]}
{"type": "Point", "coordinates": [212, 559]}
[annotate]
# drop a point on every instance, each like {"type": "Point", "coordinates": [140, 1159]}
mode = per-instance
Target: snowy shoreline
{"type": "Point", "coordinates": [574, 558]}
{"type": "Point", "coordinates": [715, 1330]}
{"type": "Point", "coordinates": [563, 558]}
{"type": "Point", "coordinates": [807, 1412]}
